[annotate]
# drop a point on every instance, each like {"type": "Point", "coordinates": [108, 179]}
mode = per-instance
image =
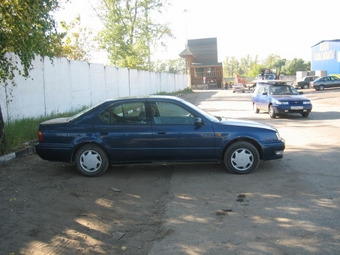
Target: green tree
{"type": "Point", "coordinates": [275, 63]}
{"type": "Point", "coordinates": [255, 70]}
{"type": "Point", "coordinates": [244, 67]}
{"type": "Point", "coordinates": [27, 29]}
{"type": "Point", "coordinates": [270, 61]}
{"type": "Point", "coordinates": [231, 66]}
{"type": "Point", "coordinates": [176, 66]}
{"type": "Point", "coordinates": [130, 31]}
{"type": "Point", "coordinates": [294, 65]}
{"type": "Point", "coordinates": [78, 42]}
{"type": "Point", "coordinates": [250, 67]}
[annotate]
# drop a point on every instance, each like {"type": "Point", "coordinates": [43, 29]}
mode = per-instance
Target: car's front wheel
{"type": "Point", "coordinates": [91, 160]}
{"type": "Point", "coordinates": [241, 158]}
{"type": "Point", "coordinates": [321, 87]}
{"type": "Point", "coordinates": [305, 114]}
{"type": "Point", "coordinates": [272, 113]}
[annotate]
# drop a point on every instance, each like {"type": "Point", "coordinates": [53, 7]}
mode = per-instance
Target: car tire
{"type": "Point", "coordinates": [255, 109]}
{"type": "Point", "coordinates": [91, 160]}
{"type": "Point", "coordinates": [241, 158]}
{"type": "Point", "coordinates": [321, 87]}
{"type": "Point", "coordinates": [305, 114]}
{"type": "Point", "coordinates": [272, 113]}
{"type": "Point", "coordinates": [305, 86]}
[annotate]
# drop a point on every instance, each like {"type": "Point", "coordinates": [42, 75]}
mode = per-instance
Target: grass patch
{"type": "Point", "coordinates": [22, 133]}
{"type": "Point", "coordinates": [181, 92]}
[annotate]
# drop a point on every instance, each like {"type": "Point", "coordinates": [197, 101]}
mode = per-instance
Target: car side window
{"type": "Point", "coordinates": [126, 113]}
{"type": "Point", "coordinates": [171, 114]}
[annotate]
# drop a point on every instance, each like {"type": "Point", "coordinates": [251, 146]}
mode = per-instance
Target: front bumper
{"type": "Point", "coordinates": [273, 150]}
{"type": "Point", "coordinates": [288, 109]}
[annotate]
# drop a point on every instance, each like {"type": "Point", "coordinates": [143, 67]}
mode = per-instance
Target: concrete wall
{"type": "Point", "coordinates": [66, 85]}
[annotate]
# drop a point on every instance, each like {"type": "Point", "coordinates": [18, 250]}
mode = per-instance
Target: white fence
{"type": "Point", "coordinates": [69, 85]}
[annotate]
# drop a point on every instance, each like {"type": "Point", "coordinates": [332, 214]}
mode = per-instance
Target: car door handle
{"type": "Point", "coordinates": [161, 132]}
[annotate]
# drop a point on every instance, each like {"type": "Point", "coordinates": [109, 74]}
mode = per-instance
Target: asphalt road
{"type": "Point", "coordinates": [287, 206]}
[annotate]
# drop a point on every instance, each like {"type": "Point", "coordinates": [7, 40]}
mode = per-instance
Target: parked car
{"type": "Point", "coordinates": [304, 82]}
{"type": "Point", "coordinates": [325, 82]}
{"type": "Point", "coordinates": [155, 129]}
{"type": "Point", "coordinates": [276, 97]}
{"type": "Point", "coordinates": [238, 88]}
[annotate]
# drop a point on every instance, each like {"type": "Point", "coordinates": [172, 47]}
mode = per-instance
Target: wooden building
{"type": "Point", "coordinates": [202, 63]}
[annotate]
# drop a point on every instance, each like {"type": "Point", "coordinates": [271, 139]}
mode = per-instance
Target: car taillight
{"type": "Point", "coordinates": [40, 136]}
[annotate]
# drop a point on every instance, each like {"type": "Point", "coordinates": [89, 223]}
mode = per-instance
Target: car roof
{"type": "Point", "coordinates": [143, 98]}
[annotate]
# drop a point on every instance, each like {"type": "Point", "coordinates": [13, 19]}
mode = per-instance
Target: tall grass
{"type": "Point", "coordinates": [185, 91]}
{"type": "Point", "coordinates": [22, 133]}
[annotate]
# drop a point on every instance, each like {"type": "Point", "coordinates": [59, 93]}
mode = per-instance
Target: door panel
{"type": "Point", "coordinates": [176, 137]}
{"type": "Point", "coordinates": [126, 132]}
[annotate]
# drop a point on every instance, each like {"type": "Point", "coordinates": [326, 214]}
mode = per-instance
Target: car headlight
{"type": "Point", "coordinates": [306, 102]}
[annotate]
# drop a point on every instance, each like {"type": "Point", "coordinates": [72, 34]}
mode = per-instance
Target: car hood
{"type": "Point", "coordinates": [246, 123]}
{"type": "Point", "coordinates": [290, 97]}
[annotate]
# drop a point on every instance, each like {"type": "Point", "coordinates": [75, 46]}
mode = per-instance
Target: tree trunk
{"type": "Point", "coordinates": [2, 134]}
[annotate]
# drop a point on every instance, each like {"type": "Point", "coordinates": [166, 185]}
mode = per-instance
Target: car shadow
{"type": "Point", "coordinates": [331, 115]}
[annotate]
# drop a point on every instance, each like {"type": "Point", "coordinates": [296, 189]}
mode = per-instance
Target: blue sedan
{"type": "Point", "coordinates": [277, 98]}
{"type": "Point", "coordinates": [155, 129]}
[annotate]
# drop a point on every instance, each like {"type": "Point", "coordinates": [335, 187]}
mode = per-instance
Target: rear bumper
{"type": "Point", "coordinates": [55, 153]}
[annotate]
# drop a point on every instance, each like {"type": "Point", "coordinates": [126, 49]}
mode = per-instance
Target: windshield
{"type": "Point", "coordinates": [200, 111]}
{"type": "Point", "coordinates": [282, 90]}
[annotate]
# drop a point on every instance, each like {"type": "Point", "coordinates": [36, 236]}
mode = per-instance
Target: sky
{"type": "Point", "coordinates": [242, 27]}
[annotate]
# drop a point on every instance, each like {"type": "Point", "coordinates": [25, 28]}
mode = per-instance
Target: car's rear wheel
{"type": "Point", "coordinates": [305, 114]}
{"type": "Point", "coordinates": [272, 113]}
{"type": "Point", "coordinates": [321, 87]}
{"type": "Point", "coordinates": [241, 158]}
{"type": "Point", "coordinates": [91, 160]}
{"type": "Point", "coordinates": [255, 109]}
{"type": "Point", "coordinates": [305, 86]}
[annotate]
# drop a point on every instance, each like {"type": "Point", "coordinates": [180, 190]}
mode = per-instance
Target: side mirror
{"type": "Point", "coordinates": [198, 121]}
{"type": "Point", "coordinates": [300, 92]}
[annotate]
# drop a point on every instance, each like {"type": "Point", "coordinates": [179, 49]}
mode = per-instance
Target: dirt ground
{"type": "Point", "coordinates": [288, 206]}
{"type": "Point", "coordinates": [48, 208]}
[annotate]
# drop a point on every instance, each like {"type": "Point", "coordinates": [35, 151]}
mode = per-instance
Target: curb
{"type": "Point", "coordinates": [18, 154]}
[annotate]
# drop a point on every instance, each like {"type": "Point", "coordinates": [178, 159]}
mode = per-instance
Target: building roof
{"type": "Point", "coordinates": [203, 51]}
{"type": "Point", "coordinates": [334, 40]}
{"type": "Point", "coordinates": [185, 53]}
